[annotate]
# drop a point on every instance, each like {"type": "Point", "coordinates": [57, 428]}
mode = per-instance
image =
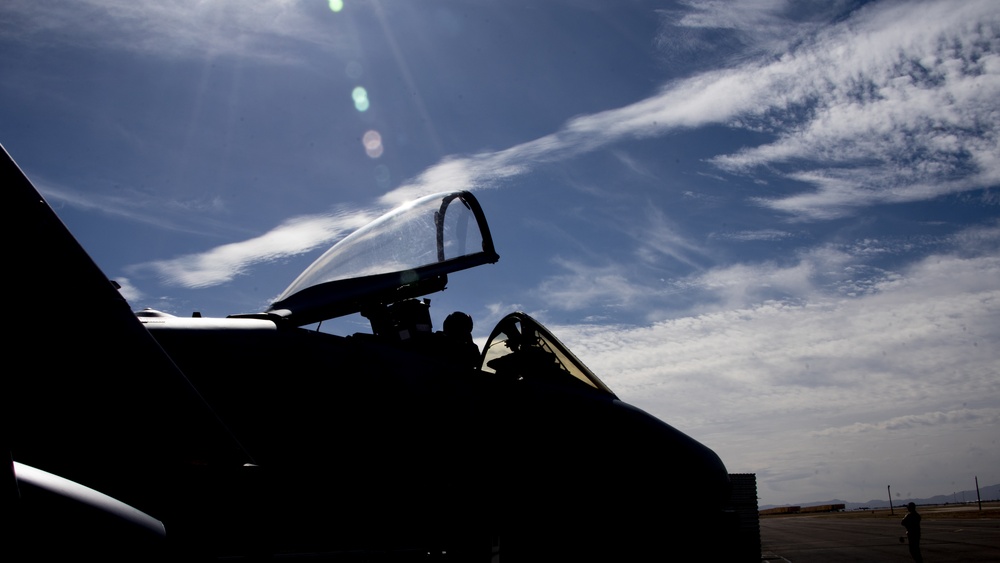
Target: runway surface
{"type": "Point", "coordinates": [821, 539]}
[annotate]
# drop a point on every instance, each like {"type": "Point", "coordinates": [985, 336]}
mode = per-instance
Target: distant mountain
{"type": "Point", "coordinates": [991, 492]}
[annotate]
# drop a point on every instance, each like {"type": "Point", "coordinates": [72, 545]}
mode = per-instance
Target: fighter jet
{"type": "Point", "coordinates": [151, 436]}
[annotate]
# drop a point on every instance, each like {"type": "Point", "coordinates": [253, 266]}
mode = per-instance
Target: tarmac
{"type": "Point", "coordinates": [950, 533]}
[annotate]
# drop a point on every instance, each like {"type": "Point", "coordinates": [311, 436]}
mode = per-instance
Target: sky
{"type": "Point", "coordinates": [775, 225]}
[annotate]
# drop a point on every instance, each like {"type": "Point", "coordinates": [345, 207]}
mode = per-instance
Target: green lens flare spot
{"type": "Point", "coordinates": [360, 96]}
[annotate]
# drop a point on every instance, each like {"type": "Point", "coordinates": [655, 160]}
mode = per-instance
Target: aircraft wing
{"type": "Point", "coordinates": [89, 394]}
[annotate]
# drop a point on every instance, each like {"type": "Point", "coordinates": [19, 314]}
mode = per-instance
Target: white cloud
{"type": "Point", "coordinates": [845, 371]}
{"type": "Point", "coordinates": [743, 283]}
{"type": "Point", "coordinates": [582, 286]}
{"type": "Point", "coordinates": [223, 263]}
{"type": "Point", "coordinates": [127, 290]}
{"type": "Point", "coordinates": [467, 173]}
{"type": "Point", "coordinates": [753, 15]}
{"type": "Point", "coordinates": [898, 105]}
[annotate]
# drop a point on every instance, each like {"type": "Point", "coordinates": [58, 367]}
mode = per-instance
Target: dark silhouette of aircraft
{"type": "Point", "coordinates": [153, 437]}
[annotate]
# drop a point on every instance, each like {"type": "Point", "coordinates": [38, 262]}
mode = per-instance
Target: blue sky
{"type": "Point", "coordinates": [772, 224]}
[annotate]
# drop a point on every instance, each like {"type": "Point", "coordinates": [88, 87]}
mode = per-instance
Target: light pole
{"type": "Point", "coordinates": [978, 497]}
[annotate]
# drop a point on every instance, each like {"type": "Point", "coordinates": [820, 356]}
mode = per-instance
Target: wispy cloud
{"type": "Point", "coordinates": [894, 104]}
{"type": "Point", "coordinates": [127, 290]}
{"type": "Point", "coordinates": [223, 263]}
{"type": "Point", "coordinates": [658, 237]}
{"type": "Point", "coordinates": [175, 27]}
{"type": "Point", "coordinates": [632, 279]}
{"type": "Point", "coordinates": [749, 236]}
{"type": "Point", "coordinates": [961, 417]}
{"type": "Point", "coordinates": [148, 209]}
{"type": "Point", "coordinates": [811, 274]}
{"type": "Point", "coordinates": [582, 286]}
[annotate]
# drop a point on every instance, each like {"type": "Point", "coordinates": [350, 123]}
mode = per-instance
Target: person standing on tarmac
{"type": "Point", "coordinates": [912, 524]}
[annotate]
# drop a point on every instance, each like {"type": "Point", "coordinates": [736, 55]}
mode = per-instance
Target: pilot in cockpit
{"type": "Point", "coordinates": [457, 332]}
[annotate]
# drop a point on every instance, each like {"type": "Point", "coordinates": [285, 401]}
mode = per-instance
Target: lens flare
{"type": "Point", "coordinates": [360, 96]}
{"type": "Point", "coordinates": [336, 5]}
{"type": "Point", "coordinates": [373, 144]}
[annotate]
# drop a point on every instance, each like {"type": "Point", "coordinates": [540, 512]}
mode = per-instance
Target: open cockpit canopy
{"type": "Point", "coordinates": [521, 348]}
{"type": "Point", "coordinates": [406, 253]}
